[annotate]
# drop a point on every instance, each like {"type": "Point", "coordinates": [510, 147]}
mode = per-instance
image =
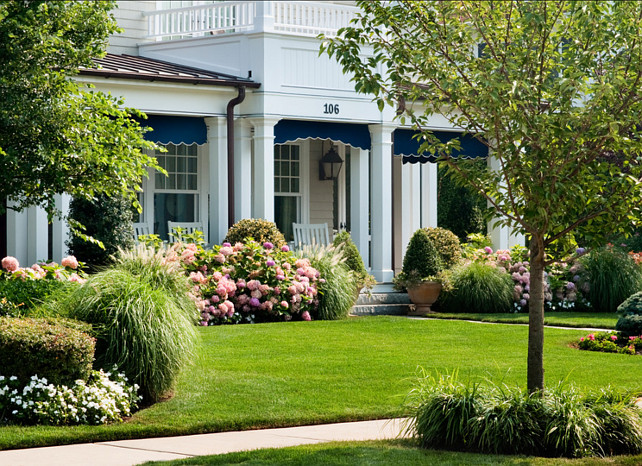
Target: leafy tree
{"type": "Point", "coordinates": [552, 87]}
{"type": "Point", "coordinates": [56, 134]}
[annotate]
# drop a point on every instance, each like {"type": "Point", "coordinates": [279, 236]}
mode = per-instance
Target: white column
{"type": "Point", "coordinates": [359, 202]}
{"type": "Point", "coordinates": [429, 195]}
{"type": "Point", "coordinates": [381, 216]}
{"type": "Point", "coordinates": [264, 20]}
{"type": "Point", "coordinates": [263, 195]}
{"type": "Point", "coordinates": [410, 203]}
{"type": "Point", "coordinates": [60, 229]}
{"type": "Point", "coordinates": [502, 237]}
{"type": "Point", "coordinates": [217, 152]}
{"type": "Point", "coordinates": [17, 226]}
{"type": "Point", "coordinates": [242, 170]}
{"type": "Point", "coordinates": [37, 235]}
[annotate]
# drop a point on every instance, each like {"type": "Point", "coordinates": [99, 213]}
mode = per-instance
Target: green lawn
{"type": "Point", "coordinates": [396, 452]}
{"type": "Point", "coordinates": [297, 373]}
{"type": "Point", "coordinates": [555, 319]}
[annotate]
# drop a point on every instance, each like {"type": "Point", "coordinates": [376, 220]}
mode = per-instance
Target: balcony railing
{"type": "Point", "coordinates": [298, 18]}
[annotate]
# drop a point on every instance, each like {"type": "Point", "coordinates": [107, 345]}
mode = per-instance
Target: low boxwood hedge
{"type": "Point", "coordinates": [48, 348]}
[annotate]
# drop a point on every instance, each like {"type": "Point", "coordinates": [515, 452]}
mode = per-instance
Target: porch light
{"type": "Point", "coordinates": [330, 165]}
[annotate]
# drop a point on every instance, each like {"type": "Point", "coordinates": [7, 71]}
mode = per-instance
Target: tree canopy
{"type": "Point", "coordinates": [56, 134]}
{"type": "Point", "coordinates": [553, 88]}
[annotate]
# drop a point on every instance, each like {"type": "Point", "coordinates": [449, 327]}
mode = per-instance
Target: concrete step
{"type": "Point", "coordinates": [382, 300]}
{"type": "Point", "coordinates": [380, 310]}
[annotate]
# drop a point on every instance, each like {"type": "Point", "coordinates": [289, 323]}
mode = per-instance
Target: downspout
{"type": "Point", "coordinates": [230, 153]}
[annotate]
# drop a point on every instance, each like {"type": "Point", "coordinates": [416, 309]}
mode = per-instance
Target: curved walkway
{"type": "Point", "coordinates": [131, 452]}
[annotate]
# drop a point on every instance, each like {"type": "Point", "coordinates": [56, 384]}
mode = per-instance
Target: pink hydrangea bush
{"type": "Point", "coordinates": [69, 270]}
{"type": "Point", "coordinates": [249, 282]}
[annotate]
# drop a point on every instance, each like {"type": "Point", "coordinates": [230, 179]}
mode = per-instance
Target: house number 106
{"type": "Point", "coordinates": [332, 109]}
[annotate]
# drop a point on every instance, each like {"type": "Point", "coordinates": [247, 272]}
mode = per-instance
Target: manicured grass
{"type": "Point", "coordinates": [297, 373]}
{"type": "Point", "coordinates": [555, 319]}
{"type": "Point", "coordinates": [383, 453]}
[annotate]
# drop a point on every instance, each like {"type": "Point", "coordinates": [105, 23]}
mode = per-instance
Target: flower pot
{"type": "Point", "coordinates": [423, 296]}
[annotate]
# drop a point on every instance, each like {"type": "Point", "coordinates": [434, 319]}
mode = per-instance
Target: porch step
{"type": "Point", "coordinates": [382, 300]}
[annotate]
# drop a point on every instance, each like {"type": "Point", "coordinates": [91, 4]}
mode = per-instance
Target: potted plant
{"type": "Point", "coordinates": [421, 274]}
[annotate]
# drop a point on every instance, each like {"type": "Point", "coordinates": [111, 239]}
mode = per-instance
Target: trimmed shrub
{"type": "Point", "coordinates": [107, 219]}
{"type": "Point", "coordinates": [478, 287]}
{"type": "Point", "coordinates": [447, 245]}
{"type": "Point", "coordinates": [459, 208]}
{"type": "Point", "coordinates": [630, 324]}
{"type": "Point", "coordinates": [337, 290]}
{"type": "Point", "coordinates": [140, 329]}
{"type": "Point", "coordinates": [421, 256]}
{"type": "Point", "coordinates": [502, 420]}
{"type": "Point", "coordinates": [258, 229]}
{"type": "Point", "coordinates": [613, 276]}
{"type": "Point", "coordinates": [47, 348]}
{"type": "Point", "coordinates": [28, 293]}
{"type": "Point", "coordinates": [353, 259]}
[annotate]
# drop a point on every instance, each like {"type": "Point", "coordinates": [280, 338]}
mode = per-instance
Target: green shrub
{"type": "Point", "coordinates": [339, 292]}
{"type": "Point", "coordinates": [258, 229]}
{"type": "Point", "coordinates": [47, 348]}
{"type": "Point", "coordinates": [447, 245]}
{"type": "Point", "coordinates": [629, 325]}
{"type": "Point", "coordinates": [613, 277]}
{"type": "Point", "coordinates": [490, 419]}
{"type": "Point", "coordinates": [28, 293]}
{"type": "Point", "coordinates": [141, 329]}
{"type": "Point", "coordinates": [478, 287]}
{"type": "Point", "coordinates": [353, 259]}
{"type": "Point", "coordinates": [459, 208]}
{"type": "Point", "coordinates": [107, 219]}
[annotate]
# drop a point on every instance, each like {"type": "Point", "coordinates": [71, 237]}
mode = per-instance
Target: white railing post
{"type": "Point", "coordinates": [264, 21]}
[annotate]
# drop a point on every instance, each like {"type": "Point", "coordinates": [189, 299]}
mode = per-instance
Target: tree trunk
{"type": "Point", "coordinates": [535, 371]}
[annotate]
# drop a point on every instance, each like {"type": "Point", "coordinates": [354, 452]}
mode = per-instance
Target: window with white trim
{"type": "Point", "coordinates": [287, 187]}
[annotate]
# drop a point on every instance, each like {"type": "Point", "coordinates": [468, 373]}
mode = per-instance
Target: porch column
{"type": "Point", "coordinates": [359, 202]}
{"type": "Point", "coordinates": [242, 170]}
{"type": "Point", "coordinates": [217, 154]}
{"type": "Point", "coordinates": [502, 237]}
{"type": "Point", "coordinates": [410, 204]}
{"type": "Point", "coordinates": [17, 226]}
{"type": "Point", "coordinates": [381, 215]}
{"type": "Point", "coordinates": [60, 229]}
{"type": "Point", "coordinates": [429, 195]}
{"type": "Point", "coordinates": [263, 182]}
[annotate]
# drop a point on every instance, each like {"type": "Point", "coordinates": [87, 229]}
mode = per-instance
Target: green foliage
{"type": "Point", "coordinates": [450, 414]}
{"type": "Point", "coordinates": [258, 229]}
{"type": "Point", "coordinates": [106, 219]}
{"type": "Point", "coordinates": [459, 209]}
{"type": "Point", "coordinates": [57, 135]}
{"type": "Point", "coordinates": [480, 287]}
{"type": "Point", "coordinates": [609, 342]}
{"type": "Point", "coordinates": [447, 245]}
{"type": "Point", "coordinates": [28, 293]}
{"type": "Point", "coordinates": [338, 293]}
{"type": "Point", "coordinates": [140, 328]}
{"type": "Point", "coordinates": [353, 259]}
{"type": "Point", "coordinates": [632, 304]}
{"type": "Point", "coordinates": [629, 325]}
{"type": "Point", "coordinates": [613, 275]}
{"type": "Point", "coordinates": [421, 256]}
{"type": "Point", "coordinates": [47, 348]}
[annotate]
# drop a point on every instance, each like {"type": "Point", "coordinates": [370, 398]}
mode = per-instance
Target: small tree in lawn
{"type": "Point", "coordinates": [552, 88]}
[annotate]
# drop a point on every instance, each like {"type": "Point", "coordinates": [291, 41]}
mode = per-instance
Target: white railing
{"type": "Point", "coordinates": [298, 18]}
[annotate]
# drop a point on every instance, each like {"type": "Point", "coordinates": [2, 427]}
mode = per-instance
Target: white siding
{"type": "Point", "coordinates": [129, 16]}
{"type": "Point", "coordinates": [320, 191]}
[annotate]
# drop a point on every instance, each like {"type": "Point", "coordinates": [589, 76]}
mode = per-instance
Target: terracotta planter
{"type": "Point", "coordinates": [423, 296]}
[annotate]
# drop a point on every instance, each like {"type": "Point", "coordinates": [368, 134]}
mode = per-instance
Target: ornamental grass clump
{"type": "Point", "coordinates": [492, 419]}
{"type": "Point", "coordinates": [338, 289]}
{"type": "Point", "coordinates": [353, 259]}
{"type": "Point", "coordinates": [613, 277]}
{"type": "Point", "coordinates": [140, 328]}
{"type": "Point", "coordinates": [478, 287]}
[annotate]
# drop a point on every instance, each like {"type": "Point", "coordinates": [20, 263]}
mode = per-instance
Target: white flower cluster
{"type": "Point", "coordinates": [102, 398]}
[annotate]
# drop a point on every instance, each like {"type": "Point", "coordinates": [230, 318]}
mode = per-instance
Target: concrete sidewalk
{"type": "Point", "coordinates": [131, 452]}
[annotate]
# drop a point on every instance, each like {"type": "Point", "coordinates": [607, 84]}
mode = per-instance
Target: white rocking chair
{"type": "Point", "coordinates": [312, 234]}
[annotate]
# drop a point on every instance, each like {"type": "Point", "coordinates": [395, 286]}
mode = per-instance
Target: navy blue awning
{"type": "Point", "coordinates": [354, 135]}
{"type": "Point", "coordinates": [407, 145]}
{"type": "Point", "coordinates": [175, 129]}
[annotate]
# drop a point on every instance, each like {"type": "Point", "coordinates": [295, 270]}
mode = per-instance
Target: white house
{"type": "Point", "coordinates": [246, 107]}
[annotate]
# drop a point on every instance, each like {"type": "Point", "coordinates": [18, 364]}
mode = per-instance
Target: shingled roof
{"type": "Point", "coordinates": [149, 69]}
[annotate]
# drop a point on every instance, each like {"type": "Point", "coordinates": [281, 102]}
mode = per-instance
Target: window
{"type": "Point", "coordinates": [176, 195]}
{"type": "Point", "coordinates": [287, 188]}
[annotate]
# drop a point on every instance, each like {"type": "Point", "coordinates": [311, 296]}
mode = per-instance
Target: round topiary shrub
{"type": "Point", "coordinates": [258, 229]}
{"type": "Point", "coordinates": [630, 324]}
{"type": "Point", "coordinates": [478, 287]}
{"type": "Point", "coordinates": [107, 219]}
{"type": "Point", "coordinates": [613, 277]}
{"type": "Point", "coordinates": [447, 245]}
{"type": "Point", "coordinates": [421, 256]}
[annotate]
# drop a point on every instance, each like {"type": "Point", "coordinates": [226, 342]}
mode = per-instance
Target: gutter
{"type": "Point", "coordinates": [230, 153]}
